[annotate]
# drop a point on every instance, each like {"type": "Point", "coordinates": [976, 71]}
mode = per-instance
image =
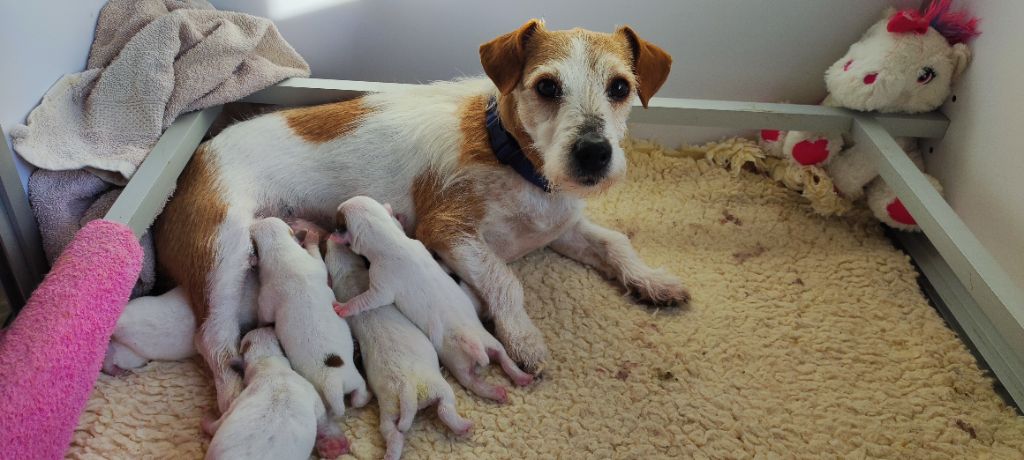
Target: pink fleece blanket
{"type": "Point", "coordinates": [50, 357]}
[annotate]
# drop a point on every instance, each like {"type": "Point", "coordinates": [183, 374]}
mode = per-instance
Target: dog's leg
{"type": "Point", "coordinates": [611, 253]}
{"type": "Point", "coordinates": [500, 289]}
{"type": "Point", "coordinates": [218, 338]}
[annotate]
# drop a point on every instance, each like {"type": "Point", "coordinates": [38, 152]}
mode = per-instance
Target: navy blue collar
{"type": "Point", "coordinates": [508, 152]}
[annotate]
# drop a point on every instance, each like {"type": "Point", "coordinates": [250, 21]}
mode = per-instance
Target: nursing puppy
{"type": "Point", "coordinates": [401, 365]}
{"type": "Point", "coordinates": [403, 272]}
{"type": "Point", "coordinates": [487, 170]}
{"type": "Point", "coordinates": [163, 328]}
{"type": "Point", "coordinates": [151, 327]}
{"type": "Point", "coordinates": [279, 415]}
{"type": "Point", "coordinates": [295, 297]}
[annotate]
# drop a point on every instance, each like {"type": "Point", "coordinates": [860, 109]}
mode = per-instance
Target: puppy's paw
{"type": "Point", "coordinates": [114, 370]}
{"type": "Point", "coordinates": [332, 446]}
{"type": "Point", "coordinates": [209, 424]}
{"type": "Point", "coordinates": [659, 288]}
{"type": "Point", "coordinates": [525, 345]}
{"type": "Point", "coordinates": [342, 310]}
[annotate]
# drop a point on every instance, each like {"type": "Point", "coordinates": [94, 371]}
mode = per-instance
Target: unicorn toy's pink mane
{"type": "Point", "coordinates": [955, 26]}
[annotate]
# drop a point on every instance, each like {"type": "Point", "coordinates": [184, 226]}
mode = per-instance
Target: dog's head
{"type": "Point", "coordinates": [570, 91]}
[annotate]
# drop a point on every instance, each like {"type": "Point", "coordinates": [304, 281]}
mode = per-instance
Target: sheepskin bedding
{"type": "Point", "coordinates": [807, 338]}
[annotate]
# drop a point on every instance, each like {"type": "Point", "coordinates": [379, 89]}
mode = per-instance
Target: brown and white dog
{"type": "Point", "coordinates": [562, 98]}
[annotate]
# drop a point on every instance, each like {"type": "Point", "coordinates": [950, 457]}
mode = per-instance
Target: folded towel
{"type": "Point", "coordinates": [151, 61]}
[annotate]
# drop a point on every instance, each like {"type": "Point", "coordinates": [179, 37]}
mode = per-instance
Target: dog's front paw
{"type": "Point", "coordinates": [525, 345]}
{"type": "Point", "coordinates": [659, 288]}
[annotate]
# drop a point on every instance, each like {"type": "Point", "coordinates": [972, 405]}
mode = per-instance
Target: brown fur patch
{"type": "Point", "coordinates": [510, 121]}
{"type": "Point", "coordinates": [475, 146]}
{"type": "Point", "coordinates": [599, 45]}
{"type": "Point", "coordinates": [504, 58]}
{"type": "Point", "coordinates": [651, 64]}
{"type": "Point", "coordinates": [445, 214]}
{"type": "Point", "coordinates": [322, 123]}
{"type": "Point", "coordinates": [546, 46]}
{"type": "Point", "coordinates": [185, 232]}
{"type": "Point", "coordinates": [333, 360]}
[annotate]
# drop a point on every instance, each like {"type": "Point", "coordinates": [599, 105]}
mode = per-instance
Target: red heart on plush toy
{"type": "Point", "coordinates": [770, 135]}
{"type": "Point", "coordinates": [811, 153]}
{"type": "Point", "coordinates": [899, 213]}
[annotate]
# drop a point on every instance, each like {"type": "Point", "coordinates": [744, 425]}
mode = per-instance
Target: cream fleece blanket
{"type": "Point", "coordinates": [807, 338]}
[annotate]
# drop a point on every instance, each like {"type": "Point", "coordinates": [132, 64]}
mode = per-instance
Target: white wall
{"type": "Point", "coordinates": [723, 49]}
{"type": "Point", "coordinates": [981, 160]}
{"type": "Point", "coordinates": [39, 42]}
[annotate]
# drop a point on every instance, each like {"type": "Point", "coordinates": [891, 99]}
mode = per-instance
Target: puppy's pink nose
{"type": "Point", "coordinates": [870, 78]}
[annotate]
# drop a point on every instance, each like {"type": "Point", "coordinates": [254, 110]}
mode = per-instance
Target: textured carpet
{"type": "Point", "coordinates": [808, 338]}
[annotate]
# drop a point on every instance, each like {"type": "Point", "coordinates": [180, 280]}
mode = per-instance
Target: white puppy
{"type": "Point", "coordinates": [295, 297]}
{"type": "Point", "coordinates": [164, 328]}
{"type": "Point", "coordinates": [403, 272]}
{"type": "Point", "coordinates": [400, 362]}
{"type": "Point", "coordinates": [152, 327]}
{"type": "Point", "coordinates": [278, 415]}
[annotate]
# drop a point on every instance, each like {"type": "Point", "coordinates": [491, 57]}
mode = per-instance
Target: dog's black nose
{"type": "Point", "coordinates": [592, 153]}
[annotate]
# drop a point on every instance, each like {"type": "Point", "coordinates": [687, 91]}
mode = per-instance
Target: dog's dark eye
{"type": "Point", "coordinates": [618, 89]}
{"type": "Point", "coordinates": [548, 89]}
{"type": "Point", "coordinates": [926, 75]}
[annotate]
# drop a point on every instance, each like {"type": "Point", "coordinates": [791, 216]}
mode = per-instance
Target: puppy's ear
{"type": "Point", "coordinates": [504, 57]}
{"type": "Point", "coordinates": [390, 210]}
{"type": "Point", "coordinates": [651, 64]}
{"type": "Point", "coordinates": [339, 221]}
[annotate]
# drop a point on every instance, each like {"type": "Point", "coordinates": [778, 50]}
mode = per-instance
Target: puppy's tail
{"type": "Point", "coordinates": [334, 395]}
{"type": "Point", "coordinates": [473, 348]}
{"type": "Point", "coordinates": [408, 404]}
{"type": "Point", "coordinates": [392, 436]}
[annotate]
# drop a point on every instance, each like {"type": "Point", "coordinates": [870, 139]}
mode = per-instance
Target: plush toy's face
{"type": "Point", "coordinates": [896, 72]}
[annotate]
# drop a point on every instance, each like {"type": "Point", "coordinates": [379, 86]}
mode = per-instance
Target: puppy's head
{"type": "Point", "coordinates": [361, 219]}
{"type": "Point", "coordinates": [271, 231]}
{"type": "Point", "coordinates": [259, 343]}
{"type": "Point", "coordinates": [348, 270]}
{"type": "Point", "coordinates": [571, 91]}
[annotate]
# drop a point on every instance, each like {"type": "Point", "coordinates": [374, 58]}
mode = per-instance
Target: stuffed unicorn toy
{"type": "Point", "coordinates": [907, 62]}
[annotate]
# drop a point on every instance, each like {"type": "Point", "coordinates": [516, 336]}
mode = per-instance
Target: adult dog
{"type": "Point", "coordinates": [484, 171]}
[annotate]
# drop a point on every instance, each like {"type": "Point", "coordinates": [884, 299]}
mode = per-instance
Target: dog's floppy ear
{"type": "Point", "coordinates": [504, 57]}
{"type": "Point", "coordinates": [651, 64]}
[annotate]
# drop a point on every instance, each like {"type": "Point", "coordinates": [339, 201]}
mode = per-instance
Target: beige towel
{"type": "Point", "coordinates": [151, 61]}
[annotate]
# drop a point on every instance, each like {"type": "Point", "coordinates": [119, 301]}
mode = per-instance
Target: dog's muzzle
{"type": "Point", "coordinates": [591, 156]}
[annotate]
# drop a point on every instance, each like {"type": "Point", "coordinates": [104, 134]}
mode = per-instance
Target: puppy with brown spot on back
{"type": "Point", "coordinates": [485, 170]}
{"type": "Point", "coordinates": [296, 298]}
